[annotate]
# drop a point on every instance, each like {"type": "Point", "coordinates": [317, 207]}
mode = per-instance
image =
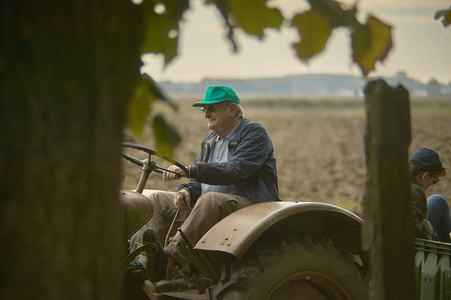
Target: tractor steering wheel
{"type": "Point", "coordinates": [151, 163]}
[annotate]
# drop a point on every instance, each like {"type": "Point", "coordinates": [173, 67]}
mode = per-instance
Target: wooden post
{"type": "Point", "coordinates": [387, 234]}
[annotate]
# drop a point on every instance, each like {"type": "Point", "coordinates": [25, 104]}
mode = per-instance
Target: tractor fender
{"type": "Point", "coordinates": [236, 233]}
{"type": "Point", "coordinates": [137, 211]}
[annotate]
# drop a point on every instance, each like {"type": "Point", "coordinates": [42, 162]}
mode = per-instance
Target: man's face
{"type": "Point", "coordinates": [427, 180]}
{"type": "Point", "coordinates": [217, 116]}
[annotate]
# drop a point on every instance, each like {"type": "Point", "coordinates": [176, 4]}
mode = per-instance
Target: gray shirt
{"type": "Point", "coordinates": [220, 154]}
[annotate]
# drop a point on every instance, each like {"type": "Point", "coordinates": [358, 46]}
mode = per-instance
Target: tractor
{"type": "Point", "coordinates": [270, 250]}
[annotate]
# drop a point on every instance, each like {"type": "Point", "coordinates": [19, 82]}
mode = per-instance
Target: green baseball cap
{"type": "Point", "coordinates": [216, 94]}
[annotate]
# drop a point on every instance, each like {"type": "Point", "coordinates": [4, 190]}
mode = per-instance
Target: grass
{"type": "Point", "coordinates": [318, 144]}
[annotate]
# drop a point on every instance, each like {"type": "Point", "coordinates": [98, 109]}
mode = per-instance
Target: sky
{"type": "Point", "coordinates": [421, 46]}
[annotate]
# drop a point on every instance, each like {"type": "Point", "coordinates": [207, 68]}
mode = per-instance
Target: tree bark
{"type": "Point", "coordinates": [67, 71]}
{"type": "Point", "coordinates": [387, 208]}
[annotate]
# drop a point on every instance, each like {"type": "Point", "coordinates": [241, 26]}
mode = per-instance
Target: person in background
{"type": "Point", "coordinates": [432, 215]}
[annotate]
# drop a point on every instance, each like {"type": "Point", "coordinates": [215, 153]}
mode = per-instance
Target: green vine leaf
{"type": "Point", "coordinates": [253, 16]}
{"type": "Point", "coordinates": [139, 108]}
{"type": "Point", "coordinates": [336, 13]}
{"type": "Point", "coordinates": [167, 137]}
{"type": "Point", "coordinates": [314, 30]}
{"type": "Point", "coordinates": [157, 92]}
{"type": "Point", "coordinates": [162, 19]}
{"type": "Point", "coordinates": [370, 43]}
{"type": "Point", "coordinates": [445, 15]}
{"type": "Point", "coordinates": [162, 27]}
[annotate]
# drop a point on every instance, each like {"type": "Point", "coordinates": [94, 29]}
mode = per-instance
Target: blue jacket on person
{"type": "Point", "coordinates": [253, 165]}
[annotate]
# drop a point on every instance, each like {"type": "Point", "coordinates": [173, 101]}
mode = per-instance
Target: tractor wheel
{"type": "Point", "coordinates": [293, 267]}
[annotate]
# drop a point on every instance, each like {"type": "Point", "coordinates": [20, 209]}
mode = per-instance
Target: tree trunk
{"type": "Point", "coordinates": [387, 207]}
{"type": "Point", "coordinates": [67, 70]}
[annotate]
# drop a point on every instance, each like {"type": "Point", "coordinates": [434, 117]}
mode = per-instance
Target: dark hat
{"type": "Point", "coordinates": [218, 93]}
{"type": "Point", "coordinates": [429, 159]}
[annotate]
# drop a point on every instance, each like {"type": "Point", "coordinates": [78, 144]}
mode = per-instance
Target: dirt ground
{"type": "Point", "coordinates": [318, 144]}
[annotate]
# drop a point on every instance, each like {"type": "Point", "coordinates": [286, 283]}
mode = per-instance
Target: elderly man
{"type": "Point", "coordinates": [235, 168]}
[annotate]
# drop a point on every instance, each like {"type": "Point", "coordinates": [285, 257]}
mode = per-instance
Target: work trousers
{"type": "Point", "coordinates": [439, 216]}
{"type": "Point", "coordinates": [210, 208]}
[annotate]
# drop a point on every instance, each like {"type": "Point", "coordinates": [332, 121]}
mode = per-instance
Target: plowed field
{"type": "Point", "coordinates": [318, 144]}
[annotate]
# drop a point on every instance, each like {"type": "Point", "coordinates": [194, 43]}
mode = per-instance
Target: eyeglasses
{"type": "Point", "coordinates": [436, 179]}
{"type": "Point", "coordinates": [212, 108]}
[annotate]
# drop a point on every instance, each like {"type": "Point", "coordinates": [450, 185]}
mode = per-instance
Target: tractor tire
{"type": "Point", "coordinates": [293, 267]}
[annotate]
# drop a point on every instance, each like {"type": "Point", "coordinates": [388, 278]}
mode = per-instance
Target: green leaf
{"type": "Point", "coordinates": [162, 29]}
{"type": "Point", "coordinates": [337, 13]}
{"type": "Point", "coordinates": [314, 30]}
{"type": "Point", "coordinates": [370, 43]}
{"type": "Point", "coordinates": [157, 92]}
{"type": "Point", "coordinates": [139, 108]}
{"type": "Point", "coordinates": [445, 14]}
{"type": "Point", "coordinates": [254, 16]}
{"type": "Point", "coordinates": [167, 137]}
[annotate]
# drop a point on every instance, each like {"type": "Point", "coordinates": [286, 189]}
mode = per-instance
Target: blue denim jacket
{"type": "Point", "coordinates": [253, 165]}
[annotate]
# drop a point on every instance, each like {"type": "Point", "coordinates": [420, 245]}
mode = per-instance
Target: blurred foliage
{"type": "Point", "coordinates": [445, 15]}
{"type": "Point", "coordinates": [167, 137]}
{"type": "Point", "coordinates": [162, 26]}
{"type": "Point", "coordinates": [253, 16]}
{"type": "Point", "coordinates": [371, 42]}
{"type": "Point", "coordinates": [139, 108]}
{"type": "Point", "coordinates": [314, 38]}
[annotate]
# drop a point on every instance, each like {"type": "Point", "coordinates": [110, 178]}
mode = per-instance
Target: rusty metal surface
{"type": "Point", "coordinates": [137, 211]}
{"type": "Point", "coordinates": [238, 231]}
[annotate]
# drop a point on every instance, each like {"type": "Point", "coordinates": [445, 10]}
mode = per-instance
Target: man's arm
{"type": "Point", "coordinates": [422, 227]}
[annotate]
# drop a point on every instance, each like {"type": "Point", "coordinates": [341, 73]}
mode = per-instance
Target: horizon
{"type": "Point", "coordinates": [370, 77]}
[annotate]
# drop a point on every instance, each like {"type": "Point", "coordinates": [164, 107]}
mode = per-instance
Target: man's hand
{"type": "Point", "coordinates": [171, 176]}
{"type": "Point", "coordinates": [182, 199]}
